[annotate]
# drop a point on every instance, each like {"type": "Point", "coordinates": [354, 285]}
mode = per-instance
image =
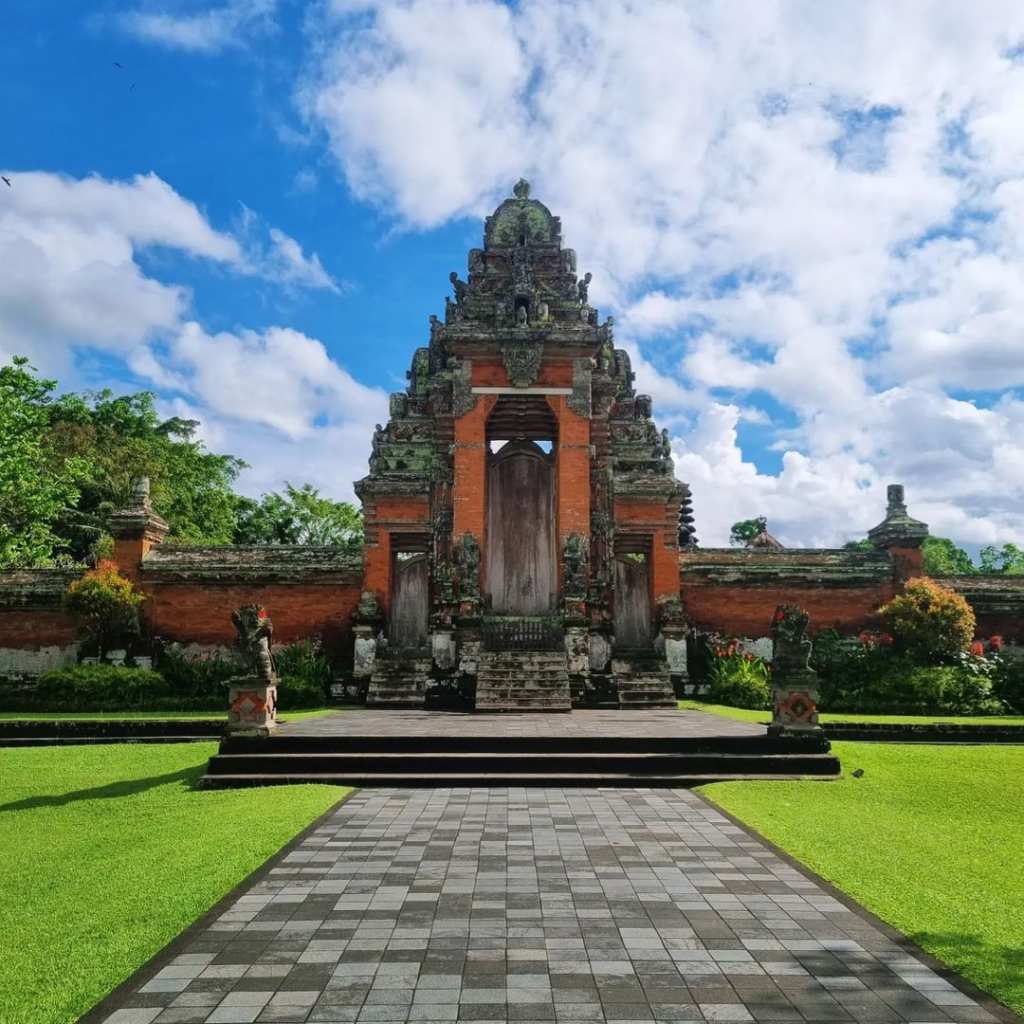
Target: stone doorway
{"type": "Point", "coordinates": [521, 561]}
{"type": "Point", "coordinates": [410, 596]}
{"type": "Point", "coordinates": [634, 626]}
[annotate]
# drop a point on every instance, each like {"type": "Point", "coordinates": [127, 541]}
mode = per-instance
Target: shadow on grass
{"type": "Point", "coordinates": [112, 790]}
{"type": "Point", "coordinates": [1004, 964]}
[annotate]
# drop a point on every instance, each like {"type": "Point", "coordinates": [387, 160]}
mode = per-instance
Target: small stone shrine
{"type": "Point", "coordinates": [523, 523]}
{"type": "Point", "coordinates": [252, 698]}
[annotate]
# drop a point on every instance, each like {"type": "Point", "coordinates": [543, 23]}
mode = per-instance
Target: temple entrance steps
{"type": "Point", "coordinates": [398, 682]}
{"type": "Point", "coordinates": [523, 681]}
{"type": "Point", "coordinates": [642, 680]}
{"type": "Point", "coordinates": [513, 760]}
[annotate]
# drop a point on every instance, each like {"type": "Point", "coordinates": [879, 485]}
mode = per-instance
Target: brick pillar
{"type": "Point", "coordinates": [901, 536]}
{"type": "Point", "coordinates": [136, 530]}
{"type": "Point", "coordinates": [573, 466]}
{"type": "Point", "coordinates": [469, 494]}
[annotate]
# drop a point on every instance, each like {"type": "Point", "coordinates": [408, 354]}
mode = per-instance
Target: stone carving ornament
{"type": "Point", "coordinates": [522, 361]}
{"type": "Point", "coordinates": [574, 566]}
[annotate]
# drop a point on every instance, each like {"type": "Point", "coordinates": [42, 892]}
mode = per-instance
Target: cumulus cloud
{"type": "Point", "coordinates": [73, 282]}
{"type": "Point", "coordinates": [202, 31]}
{"type": "Point", "coordinates": [819, 206]}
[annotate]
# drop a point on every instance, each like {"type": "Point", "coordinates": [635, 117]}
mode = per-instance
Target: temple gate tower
{"type": "Point", "coordinates": [522, 519]}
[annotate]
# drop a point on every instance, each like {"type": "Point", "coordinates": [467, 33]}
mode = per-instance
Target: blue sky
{"type": "Point", "coordinates": [807, 227]}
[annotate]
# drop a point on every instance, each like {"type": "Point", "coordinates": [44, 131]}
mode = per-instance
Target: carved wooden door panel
{"type": "Point", "coordinates": [410, 601]}
{"type": "Point", "coordinates": [633, 622]}
{"type": "Point", "coordinates": [522, 575]}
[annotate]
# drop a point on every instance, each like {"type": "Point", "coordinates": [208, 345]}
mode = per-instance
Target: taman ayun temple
{"type": "Point", "coordinates": [527, 546]}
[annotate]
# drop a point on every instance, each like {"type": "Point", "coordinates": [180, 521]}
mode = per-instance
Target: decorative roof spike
{"type": "Point", "coordinates": [898, 529]}
{"type": "Point", "coordinates": [521, 189]}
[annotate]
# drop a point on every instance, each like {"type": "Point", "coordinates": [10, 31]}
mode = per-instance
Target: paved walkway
{"type": "Point", "coordinates": [562, 905]}
{"type": "Point", "coordinates": [582, 723]}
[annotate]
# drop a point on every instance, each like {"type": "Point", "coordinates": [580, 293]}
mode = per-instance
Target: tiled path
{"type": "Point", "coordinates": [536, 905]}
{"type": "Point", "coordinates": [647, 723]}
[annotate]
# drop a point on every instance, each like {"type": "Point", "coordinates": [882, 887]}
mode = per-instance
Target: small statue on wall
{"type": "Point", "coordinates": [574, 566]}
{"type": "Point", "coordinates": [469, 568]}
{"type": "Point", "coordinates": [583, 287]}
{"type": "Point", "coordinates": [460, 288]}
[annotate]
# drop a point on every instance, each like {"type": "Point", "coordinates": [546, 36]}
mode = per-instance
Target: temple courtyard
{"type": "Point", "coordinates": [536, 902]}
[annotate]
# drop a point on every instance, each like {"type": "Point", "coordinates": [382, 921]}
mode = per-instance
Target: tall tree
{"type": "Point", "coordinates": [746, 530]}
{"type": "Point", "coordinates": [1007, 560]}
{"type": "Point", "coordinates": [941, 557]}
{"type": "Point", "coordinates": [124, 438]}
{"type": "Point", "coordinates": [299, 516]}
{"type": "Point", "coordinates": [35, 489]}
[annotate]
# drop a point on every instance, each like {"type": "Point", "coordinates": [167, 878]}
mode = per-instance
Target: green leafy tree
{"type": "Point", "coordinates": [36, 490]}
{"type": "Point", "coordinates": [746, 530]}
{"type": "Point", "coordinates": [943, 558]}
{"type": "Point", "coordinates": [1007, 560]}
{"type": "Point", "coordinates": [124, 438]}
{"type": "Point", "coordinates": [299, 516]}
{"type": "Point", "coordinates": [859, 545]}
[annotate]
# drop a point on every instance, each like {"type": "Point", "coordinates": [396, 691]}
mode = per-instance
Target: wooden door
{"type": "Point", "coordinates": [522, 572]}
{"type": "Point", "coordinates": [633, 620]}
{"type": "Point", "coordinates": [410, 601]}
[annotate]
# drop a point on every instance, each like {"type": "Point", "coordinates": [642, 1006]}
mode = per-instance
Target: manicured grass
{"type": "Point", "coordinates": [743, 715]}
{"type": "Point", "coordinates": [929, 839]}
{"type": "Point", "coordinates": [138, 716]}
{"type": "Point", "coordinates": [108, 853]}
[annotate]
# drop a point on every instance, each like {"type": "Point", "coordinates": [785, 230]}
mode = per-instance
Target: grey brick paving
{"type": "Point", "coordinates": [553, 906]}
{"type": "Point", "coordinates": [645, 723]}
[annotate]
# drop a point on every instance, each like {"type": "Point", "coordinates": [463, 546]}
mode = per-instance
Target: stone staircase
{"type": "Point", "coordinates": [522, 681]}
{"type": "Point", "coordinates": [642, 680]}
{"type": "Point", "coordinates": [398, 682]}
{"type": "Point", "coordinates": [371, 759]}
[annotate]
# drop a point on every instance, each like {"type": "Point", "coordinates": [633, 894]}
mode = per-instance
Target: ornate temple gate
{"type": "Point", "coordinates": [522, 562]}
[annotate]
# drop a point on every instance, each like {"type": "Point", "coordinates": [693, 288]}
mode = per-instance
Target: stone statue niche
{"type": "Point", "coordinates": [252, 698]}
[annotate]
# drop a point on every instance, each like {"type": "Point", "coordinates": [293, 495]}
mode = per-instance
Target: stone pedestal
{"type": "Point", "coordinates": [252, 707]}
{"type": "Point", "coordinates": [794, 682]}
{"type": "Point", "coordinates": [365, 653]}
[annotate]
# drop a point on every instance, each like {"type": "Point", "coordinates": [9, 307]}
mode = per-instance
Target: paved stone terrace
{"type": "Point", "coordinates": [546, 905]}
{"type": "Point", "coordinates": [630, 724]}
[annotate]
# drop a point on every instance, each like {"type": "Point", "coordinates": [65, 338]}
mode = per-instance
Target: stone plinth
{"type": "Point", "coordinates": [252, 706]}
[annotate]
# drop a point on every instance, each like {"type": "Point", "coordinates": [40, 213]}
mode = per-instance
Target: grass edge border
{"type": "Point", "coordinates": [115, 999]}
{"type": "Point", "coordinates": [985, 999]}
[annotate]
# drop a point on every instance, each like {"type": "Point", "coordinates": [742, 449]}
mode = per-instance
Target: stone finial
{"type": "Point", "coordinates": [521, 189]}
{"type": "Point", "coordinates": [140, 496]}
{"type": "Point", "coordinates": [898, 529]}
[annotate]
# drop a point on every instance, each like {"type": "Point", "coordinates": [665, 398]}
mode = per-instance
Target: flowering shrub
{"type": "Point", "coordinates": [930, 623]}
{"type": "Point", "coordinates": [105, 606]}
{"type": "Point", "coordinates": [737, 679]}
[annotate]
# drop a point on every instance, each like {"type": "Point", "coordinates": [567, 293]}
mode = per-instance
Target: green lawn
{"type": "Point", "coordinates": [108, 853]}
{"type": "Point", "coordinates": [929, 839]}
{"type": "Point", "coordinates": [136, 716]}
{"type": "Point", "coordinates": [743, 715]}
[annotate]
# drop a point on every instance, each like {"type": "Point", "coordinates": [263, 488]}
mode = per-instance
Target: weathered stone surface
{"type": "Point", "coordinates": [794, 682]}
{"type": "Point", "coordinates": [277, 563]}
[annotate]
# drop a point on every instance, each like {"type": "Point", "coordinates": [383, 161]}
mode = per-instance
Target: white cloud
{"type": "Point", "coordinates": [204, 31]}
{"type": "Point", "coordinates": [73, 283]}
{"type": "Point", "coordinates": [825, 202]}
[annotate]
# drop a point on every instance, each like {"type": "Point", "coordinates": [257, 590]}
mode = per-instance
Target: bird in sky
{"type": "Point", "coordinates": [5, 180]}
{"type": "Point", "coordinates": [117, 65]}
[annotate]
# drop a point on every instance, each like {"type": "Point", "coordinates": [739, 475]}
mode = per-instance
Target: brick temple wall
{"type": "Point", "coordinates": [734, 591]}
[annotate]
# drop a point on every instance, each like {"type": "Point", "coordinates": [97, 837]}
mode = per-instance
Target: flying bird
{"type": "Point", "coordinates": [6, 180]}
{"type": "Point", "coordinates": [116, 65]}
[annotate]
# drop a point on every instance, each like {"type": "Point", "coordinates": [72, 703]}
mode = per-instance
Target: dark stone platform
{"type": "Point", "coordinates": [589, 748]}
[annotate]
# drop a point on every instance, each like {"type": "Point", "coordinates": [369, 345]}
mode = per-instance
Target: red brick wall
{"type": "Point", "coordinates": [573, 467]}
{"type": "Point", "coordinates": [200, 611]}
{"type": "Point", "coordinates": [30, 629]}
{"type": "Point", "coordinates": [384, 517]}
{"type": "Point", "coordinates": [747, 610]}
{"type": "Point", "coordinates": [651, 518]}
{"type": "Point", "coordinates": [469, 494]}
